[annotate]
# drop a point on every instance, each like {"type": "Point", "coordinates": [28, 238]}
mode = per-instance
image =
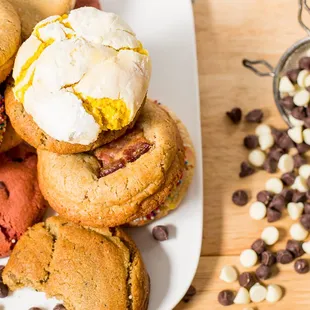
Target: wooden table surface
{"type": "Point", "coordinates": [227, 31]}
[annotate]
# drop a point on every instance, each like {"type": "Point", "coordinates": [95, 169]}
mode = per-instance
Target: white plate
{"type": "Point", "coordinates": [166, 28]}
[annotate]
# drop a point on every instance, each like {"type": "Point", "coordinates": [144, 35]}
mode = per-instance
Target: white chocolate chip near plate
{"type": "Point", "coordinates": [301, 78]}
{"type": "Point", "coordinates": [286, 163]}
{"type": "Point", "coordinates": [294, 121]}
{"type": "Point", "coordinates": [298, 232]}
{"type": "Point", "coordinates": [242, 297]}
{"type": "Point", "coordinates": [262, 129]}
{"type": "Point", "coordinates": [295, 210]}
{"type": "Point", "coordinates": [274, 185]}
{"type": "Point", "coordinates": [306, 247]}
{"type": "Point", "coordinates": [248, 258]}
{"type": "Point", "coordinates": [274, 293]}
{"type": "Point", "coordinates": [301, 98]}
{"type": "Point", "coordinates": [306, 135]}
{"type": "Point", "coordinates": [257, 158]}
{"type": "Point", "coordinates": [300, 184]}
{"type": "Point", "coordinates": [228, 274]}
{"type": "Point", "coordinates": [304, 171]}
{"type": "Point", "coordinates": [270, 235]}
{"type": "Point", "coordinates": [258, 293]}
{"type": "Point", "coordinates": [257, 210]}
{"type": "Point", "coordinates": [285, 85]}
{"type": "Point", "coordinates": [295, 134]}
{"type": "Point", "coordinates": [266, 141]}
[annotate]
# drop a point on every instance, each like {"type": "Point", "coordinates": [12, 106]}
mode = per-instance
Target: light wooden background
{"type": "Point", "coordinates": [227, 31]}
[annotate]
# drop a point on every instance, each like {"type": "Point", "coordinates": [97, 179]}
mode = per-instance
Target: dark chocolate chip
{"type": "Point", "coordinates": [259, 246]}
{"type": "Point", "coordinates": [254, 116]}
{"type": "Point", "coordinates": [284, 141]}
{"type": "Point", "coordinates": [4, 290]}
{"type": "Point", "coordinates": [250, 142]}
{"type": "Point", "coordinates": [226, 298]}
{"type": "Point", "coordinates": [235, 115]}
{"type": "Point", "coordinates": [299, 197]}
{"type": "Point", "coordinates": [287, 103]}
{"type": "Point", "coordinates": [278, 202]}
{"type": "Point", "coordinates": [288, 178]}
{"type": "Point", "coordinates": [270, 165]}
{"type": "Point", "coordinates": [284, 257]}
{"type": "Point", "coordinates": [301, 266]}
{"type": "Point", "coordinates": [303, 147]}
{"type": "Point", "coordinates": [276, 133]}
{"type": "Point", "coordinates": [247, 280]}
{"type": "Point", "coordinates": [276, 153]}
{"type": "Point", "coordinates": [265, 197]}
{"type": "Point", "coordinates": [299, 160]}
{"type": "Point", "coordinates": [263, 272]}
{"type": "Point", "coordinates": [287, 194]}
{"type": "Point", "coordinates": [295, 247]}
{"type": "Point", "coordinates": [308, 111]}
{"type": "Point", "coordinates": [189, 294]}
{"type": "Point", "coordinates": [268, 258]}
{"type": "Point", "coordinates": [4, 189]}
{"type": "Point", "coordinates": [240, 198]}
{"type": "Point", "coordinates": [307, 122]}
{"type": "Point", "coordinates": [292, 75]}
{"type": "Point", "coordinates": [35, 308]}
{"type": "Point", "coordinates": [160, 233]}
{"type": "Point", "coordinates": [1, 271]}
{"type": "Point", "coordinates": [307, 208]}
{"type": "Point", "coordinates": [59, 307]}
{"type": "Point", "coordinates": [245, 170]}
{"type": "Point", "coordinates": [273, 215]}
{"type": "Point", "coordinates": [304, 63]}
{"type": "Point", "coordinates": [305, 221]}
{"type": "Point", "coordinates": [299, 113]}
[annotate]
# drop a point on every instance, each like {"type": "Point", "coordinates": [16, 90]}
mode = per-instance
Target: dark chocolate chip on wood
{"type": "Point", "coordinates": [273, 215]}
{"type": "Point", "coordinates": [299, 160]}
{"type": "Point", "coordinates": [284, 257]}
{"type": "Point", "coordinates": [235, 115]}
{"type": "Point", "coordinates": [268, 258]}
{"type": "Point", "coordinates": [303, 147]}
{"type": "Point", "coordinates": [307, 122]}
{"type": "Point", "coordinates": [270, 165]}
{"type": "Point", "coordinates": [299, 113]}
{"type": "Point", "coordinates": [301, 266]}
{"type": "Point", "coordinates": [278, 202]}
{"type": "Point", "coordinates": [245, 170]}
{"type": "Point", "coordinates": [226, 297]}
{"type": "Point", "coordinates": [240, 198]}
{"type": "Point", "coordinates": [284, 141]}
{"type": "Point", "coordinates": [288, 178]}
{"type": "Point", "coordinates": [4, 290]}
{"type": "Point", "coordinates": [59, 307]}
{"type": "Point", "coordinates": [265, 197]}
{"type": "Point", "coordinates": [292, 75]}
{"type": "Point", "coordinates": [276, 153]}
{"type": "Point", "coordinates": [307, 208]}
{"type": "Point", "coordinates": [305, 221]}
{"type": "Point", "coordinates": [276, 133]}
{"type": "Point", "coordinates": [299, 196]}
{"type": "Point", "coordinates": [259, 246]}
{"type": "Point", "coordinates": [295, 247]}
{"type": "Point", "coordinates": [304, 63]}
{"type": "Point", "coordinates": [287, 103]}
{"type": "Point", "coordinates": [254, 116]}
{"type": "Point", "coordinates": [251, 142]}
{"type": "Point", "coordinates": [189, 294]}
{"type": "Point", "coordinates": [160, 233]}
{"type": "Point", "coordinates": [247, 280]}
{"type": "Point", "coordinates": [287, 194]}
{"type": "Point", "coordinates": [263, 272]}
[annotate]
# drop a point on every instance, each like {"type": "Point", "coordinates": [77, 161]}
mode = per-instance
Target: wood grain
{"type": "Point", "coordinates": [228, 31]}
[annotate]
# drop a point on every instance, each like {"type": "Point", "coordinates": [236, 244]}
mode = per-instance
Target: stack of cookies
{"type": "Point", "coordinates": [106, 156]}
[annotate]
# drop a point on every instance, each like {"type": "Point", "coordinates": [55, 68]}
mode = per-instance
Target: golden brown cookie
{"type": "Point", "coordinates": [28, 130]}
{"type": "Point", "coordinates": [86, 268]}
{"type": "Point", "coordinates": [121, 181]}
{"type": "Point", "coordinates": [10, 31]}
{"type": "Point", "coordinates": [33, 11]}
{"type": "Point", "coordinates": [179, 191]}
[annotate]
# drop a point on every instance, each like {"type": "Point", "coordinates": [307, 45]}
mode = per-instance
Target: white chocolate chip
{"type": "Point", "coordinates": [285, 85]}
{"type": "Point", "coordinates": [294, 121]}
{"type": "Point", "coordinates": [306, 247]}
{"type": "Point", "coordinates": [295, 210]}
{"type": "Point", "coordinates": [306, 135]}
{"type": "Point", "coordinates": [286, 163]}
{"type": "Point", "coordinates": [274, 293]}
{"type": "Point", "coordinates": [262, 129]}
{"type": "Point", "coordinates": [307, 81]}
{"type": "Point", "coordinates": [301, 98]}
{"type": "Point", "coordinates": [298, 232]}
{"type": "Point", "coordinates": [248, 258]}
{"type": "Point", "coordinates": [257, 210]}
{"type": "Point", "coordinates": [265, 141]}
{"type": "Point", "coordinates": [274, 185]}
{"type": "Point", "coordinates": [304, 171]}
{"type": "Point", "coordinates": [301, 78]}
{"type": "Point", "coordinates": [258, 293]}
{"type": "Point", "coordinates": [228, 274]}
{"type": "Point", "coordinates": [270, 235]}
{"type": "Point", "coordinates": [300, 184]}
{"type": "Point", "coordinates": [257, 158]}
{"type": "Point", "coordinates": [295, 134]}
{"type": "Point", "coordinates": [242, 297]}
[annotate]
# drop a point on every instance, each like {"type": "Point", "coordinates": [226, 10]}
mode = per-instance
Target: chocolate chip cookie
{"type": "Point", "coordinates": [87, 268]}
